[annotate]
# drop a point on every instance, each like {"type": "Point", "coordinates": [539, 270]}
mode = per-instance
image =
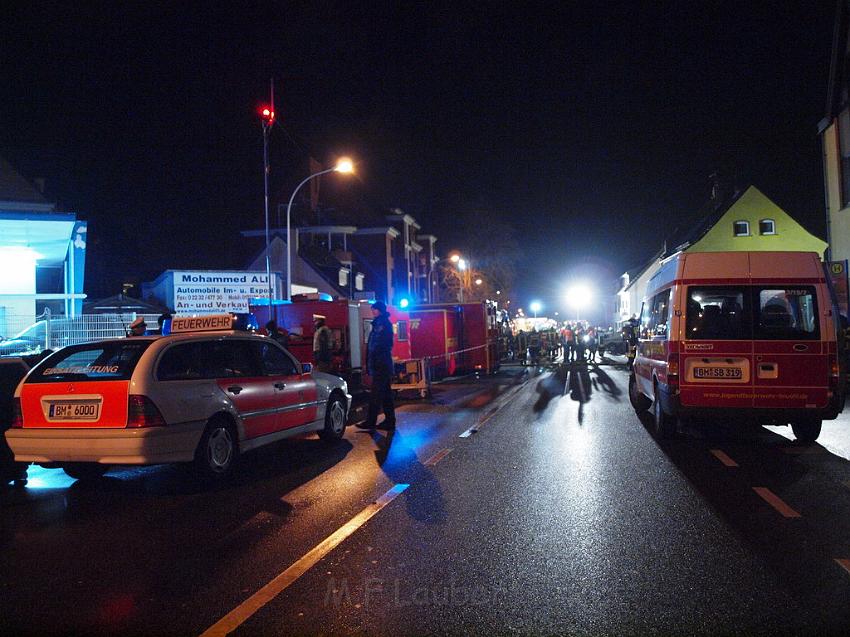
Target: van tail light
{"type": "Point", "coordinates": [673, 369]}
{"type": "Point", "coordinates": [17, 415]}
{"type": "Point", "coordinates": [141, 412]}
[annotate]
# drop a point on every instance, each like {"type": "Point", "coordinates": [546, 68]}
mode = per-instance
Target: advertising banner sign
{"type": "Point", "coordinates": [207, 292]}
{"type": "Point", "coordinates": [838, 274]}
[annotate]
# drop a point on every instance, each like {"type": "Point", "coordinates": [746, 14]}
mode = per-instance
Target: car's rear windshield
{"type": "Point", "coordinates": [767, 312]}
{"type": "Point", "coordinates": [110, 360]}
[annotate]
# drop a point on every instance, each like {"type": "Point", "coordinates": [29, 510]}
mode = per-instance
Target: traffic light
{"type": "Point", "coordinates": [267, 114]}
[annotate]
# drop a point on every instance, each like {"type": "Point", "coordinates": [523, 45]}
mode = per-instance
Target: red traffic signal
{"type": "Point", "coordinates": [267, 114]}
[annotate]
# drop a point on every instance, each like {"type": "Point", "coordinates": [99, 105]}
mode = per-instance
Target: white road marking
{"type": "Point", "coordinates": [267, 593]}
{"type": "Point", "coordinates": [776, 502]}
{"type": "Point", "coordinates": [726, 460]}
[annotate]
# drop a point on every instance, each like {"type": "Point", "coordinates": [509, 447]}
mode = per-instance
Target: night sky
{"type": "Point", "coordinates": [589, 127]}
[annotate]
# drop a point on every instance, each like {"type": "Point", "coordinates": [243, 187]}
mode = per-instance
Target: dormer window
{"type": "Point", "coordinates": [741, 228]}
{"type": "Point", "coordinates": [767, 226]}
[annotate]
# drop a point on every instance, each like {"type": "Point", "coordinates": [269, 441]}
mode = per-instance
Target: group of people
{"type": "Point", "coordinates": [576, 341]}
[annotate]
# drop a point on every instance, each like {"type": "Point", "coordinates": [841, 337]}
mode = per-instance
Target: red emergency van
{"type": "Point", "coordinates": [457, 337]}
{"type": "Point", "coordinates": [752, 336]}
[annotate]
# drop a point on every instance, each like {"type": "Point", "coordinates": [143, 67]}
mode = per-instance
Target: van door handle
{"type": "Point", "coordinates": [234, 389]}
{"type": "Point", "coordinates": [280, 385]}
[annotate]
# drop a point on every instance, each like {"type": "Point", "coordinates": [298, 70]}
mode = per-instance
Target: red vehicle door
{"type": "Point", "coordinates": [791, 361]}
{"type": "Point", "coordinates": [295, 393]}
{"type": "Point", "coordinates": [237, 371]}
{"type": "Point", "coordinates": [716, 350]}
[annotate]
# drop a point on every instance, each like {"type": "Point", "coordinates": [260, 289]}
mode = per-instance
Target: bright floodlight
{"type": "Point", "coordinates": [344, 165]}
{"type": "Point", "coordinates": [479, 281]}
{"type": "Point", "coordinates": [535, 306]}
{"type": "Point", "coordinates": [579, 296]}
{"type": "Point", "coordinates": [461, 264]}
{"type": "Point", "coordinates": [454, 258]}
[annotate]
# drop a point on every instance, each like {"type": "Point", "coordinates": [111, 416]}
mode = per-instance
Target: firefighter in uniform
{"type": "Point", "coordinates": [380, 362]}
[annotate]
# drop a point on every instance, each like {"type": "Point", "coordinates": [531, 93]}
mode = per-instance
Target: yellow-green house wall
{"type": "Point", "coordinates": [753, 206]}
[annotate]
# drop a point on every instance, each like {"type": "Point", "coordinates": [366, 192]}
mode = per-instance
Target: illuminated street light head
{"type": "Point", "coordinates": [479, 281]}
{"type": "Point", "coordinates": [344, 165]}
{"type": "Point", "coordinates": [454, 258]}
{"type": "Point", "coordinates": [461, 264]}
{"type": "Point", "coordinates": [579, 296]}
{"type": "Point", "coordinates": [535, 306]}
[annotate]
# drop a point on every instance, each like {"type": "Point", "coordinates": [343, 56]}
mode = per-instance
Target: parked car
{"type": "Point", "coordinates": [204, 394]}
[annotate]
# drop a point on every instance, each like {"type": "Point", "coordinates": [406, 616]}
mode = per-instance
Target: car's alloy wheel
{"type": "Point", "coordinates": [217, 451]}
{"type": "Point", "coordinates": [335, 418]}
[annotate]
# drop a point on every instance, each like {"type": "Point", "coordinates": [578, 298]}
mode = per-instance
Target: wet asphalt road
{"type": "Point", "coordinates": [559, 514]}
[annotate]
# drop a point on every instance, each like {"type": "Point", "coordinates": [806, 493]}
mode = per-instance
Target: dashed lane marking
{"type": "Point", "coordinates": [430, 462]}
{"type": "Point", "coordinates": [843, 563]}
{"type": "Point", "coordinates": [726, 460]}
{"type": "Point", "coordinates": [267, 593]}
{"type": "Point", "coordinates": [776, 502]}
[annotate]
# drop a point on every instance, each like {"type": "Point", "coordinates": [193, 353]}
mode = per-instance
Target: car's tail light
{"type": "Point", "coordinates": [17, 415]}
{"type": "Point", "coordinates": [141, 412]}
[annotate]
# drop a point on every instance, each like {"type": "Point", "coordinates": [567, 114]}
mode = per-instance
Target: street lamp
{"type": "Point", "coordinates": [343, 165]}
{"type": "Point", "coordinates": [535, 307]}
{"type": "Point", "coordinates": [460, 263]}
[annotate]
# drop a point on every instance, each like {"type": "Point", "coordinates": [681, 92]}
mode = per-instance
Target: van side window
{"type": "Point", "coordinates": [659, 314]}
{"type": "Point", "coordinates": [717, 313]}
{"type": "Point", "coordinates": [787, 314]}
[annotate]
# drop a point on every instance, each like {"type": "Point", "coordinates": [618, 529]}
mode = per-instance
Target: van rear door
{"type": "Point", "coordinates": [791, 361]}
{"type": "Point", "coordinates": [716, 351]}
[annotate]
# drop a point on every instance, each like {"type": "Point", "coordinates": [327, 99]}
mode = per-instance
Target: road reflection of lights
{"type": "Point", "coordinates": [41, 478]}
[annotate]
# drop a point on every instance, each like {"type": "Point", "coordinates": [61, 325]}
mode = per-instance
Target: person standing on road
{"type": "Point", "coordinates": [380, 364]}
{"type": "Point", "coordinates": [522, 347]}
{"type": "Point", "coordinates": [321, 344]}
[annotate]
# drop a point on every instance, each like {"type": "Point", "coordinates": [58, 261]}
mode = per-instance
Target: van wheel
{"type": "Point", "coordinates": [85, 470]}
{"type": "Point", "coordinates": [640, 402]}
{"type": "Point", "coordinates": [664, 425]}
{"type": "Point", "coordinates": [334, 420]}
{"type": "Point", "coordinates": [806, 431]}
{"type": "Point", "coordinates": [217, 451]}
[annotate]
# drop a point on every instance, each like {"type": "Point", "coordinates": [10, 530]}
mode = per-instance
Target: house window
{"type": "Point", "coordinates": [741, 228]}
{"type": "Point", "coordinates": [767, 226]}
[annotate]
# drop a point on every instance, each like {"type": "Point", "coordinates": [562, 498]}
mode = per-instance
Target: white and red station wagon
{"type": "Point", "coordinates": [751, 336]}
{"type": "Point", "coordinates": [205, 393]}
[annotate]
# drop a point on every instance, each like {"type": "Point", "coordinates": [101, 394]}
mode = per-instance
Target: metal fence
{"type": "Point", "coordinates": [20, 335]}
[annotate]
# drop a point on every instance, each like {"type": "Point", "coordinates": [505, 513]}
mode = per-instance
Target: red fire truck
{"type": "Point", "coordinates": [456, 338]}
{"type": "Point", "coordinates": [349, 323]}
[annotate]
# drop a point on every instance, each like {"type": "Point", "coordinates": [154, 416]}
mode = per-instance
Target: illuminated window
{"type": "Point", "coordinates": [741, 228]}
{"type": "Point", "coordinates": [767, 226]}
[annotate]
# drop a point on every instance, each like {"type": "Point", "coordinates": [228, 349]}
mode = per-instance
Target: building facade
{"type": "Point", "coordinates": [746, 221]}
{"type": "Point", "coordinates": [42, 255]}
